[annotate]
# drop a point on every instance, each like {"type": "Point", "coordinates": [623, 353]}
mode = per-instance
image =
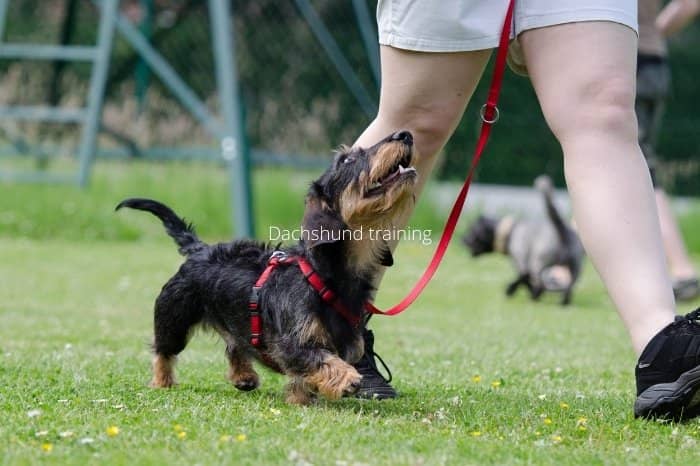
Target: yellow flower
{"type": "Point", "coordinates": [475, 433]}
{"type": "Point", "coordinates": [47, 447]}
{"type": "Point", "coordinates": [178, 428]}
{"type": "Point", "coordinates": [547, 421]}
{"type": "Point", "coordinates": [112, 431]}
{"type": "Point", "coordinates": [496, 383]}
{"type": "Point", "coordinates": [241, 438]}
{"type": "Point", "coordinates": [556, 438]}
{"type": "Point", "coordinates": [582, 428]}
{"type": "Point", "coordinates": [182, 434]}
{"type": "Point", "coordinates": [225, 438]}
{"type": "Point", "coordinates": [476, 378]}
{"type": "Point", "coordinates": [581, 422]}
{"type": "Point", "coordinates": [563, 405]}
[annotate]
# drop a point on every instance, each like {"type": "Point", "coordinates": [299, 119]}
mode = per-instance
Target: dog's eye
{"type": "Point", "coordinates": [349, 159]}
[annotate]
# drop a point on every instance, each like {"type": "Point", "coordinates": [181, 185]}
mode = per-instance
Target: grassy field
{"type": "Point", "coordinates": [483, 379]}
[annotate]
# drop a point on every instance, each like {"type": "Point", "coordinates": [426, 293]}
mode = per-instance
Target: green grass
{"type": "Point", "coordinates": [483, 379]}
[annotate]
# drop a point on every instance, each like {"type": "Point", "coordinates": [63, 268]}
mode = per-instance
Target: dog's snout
{"type": "Point", "coordinates": [404, 136]}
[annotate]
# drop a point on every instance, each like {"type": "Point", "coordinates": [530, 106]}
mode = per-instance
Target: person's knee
{"type": "Point", "coordinates": [603, 105]}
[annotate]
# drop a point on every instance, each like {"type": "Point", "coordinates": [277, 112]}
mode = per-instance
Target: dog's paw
{"type": "Point", "coordinates": [247, 384]}
{"type": "Point", "coordinates": [162, 382]}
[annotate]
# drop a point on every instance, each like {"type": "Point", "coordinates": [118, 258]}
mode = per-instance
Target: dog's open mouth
{"type": "Point", "coordinates": [400, 171]}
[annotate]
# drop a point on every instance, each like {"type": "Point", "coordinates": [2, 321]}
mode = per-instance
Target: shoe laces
{"type": "Point", "coordinates": [690, 318]}
{"type": "Point", "coordinates": [371, 357]}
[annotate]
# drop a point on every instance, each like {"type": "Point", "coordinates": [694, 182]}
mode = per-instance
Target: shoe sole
{"type": "Point", "coordinates": [676, 400]}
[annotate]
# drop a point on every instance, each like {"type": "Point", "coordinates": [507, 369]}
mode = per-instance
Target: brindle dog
{"type": "Point", "coordinates": [303, 336]}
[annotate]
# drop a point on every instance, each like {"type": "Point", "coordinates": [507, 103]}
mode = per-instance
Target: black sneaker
{"type": "Point", "coordinates": [373, 384]}
{"type": "Point", "coordinates": [668, 372]}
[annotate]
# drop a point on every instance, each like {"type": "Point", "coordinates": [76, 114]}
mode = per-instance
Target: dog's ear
{"type": "Point", "coordinates": [321, 225]}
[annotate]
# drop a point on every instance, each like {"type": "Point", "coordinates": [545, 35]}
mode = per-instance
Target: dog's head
{"type": "Point", "coordinates": [481, 235]}
{"type": "Point", "coordinates": [363, 189]}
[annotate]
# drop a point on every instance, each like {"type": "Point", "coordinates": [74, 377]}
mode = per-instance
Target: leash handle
{"type": "Point", "coordinates": [489, 115]}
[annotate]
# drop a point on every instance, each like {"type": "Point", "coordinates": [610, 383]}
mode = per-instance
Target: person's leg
{"type": "Point", "coordinates": [679, 263]}
{"type": "Point", "coordinates": [584, 76]}
{"type": "Point", "coordinates": [653, 83]}
{"type": "Point", "coordinates": [425, 93]}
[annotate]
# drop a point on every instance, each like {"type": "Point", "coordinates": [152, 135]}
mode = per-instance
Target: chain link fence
{"type": "Point", "coordinates": [298, 103]}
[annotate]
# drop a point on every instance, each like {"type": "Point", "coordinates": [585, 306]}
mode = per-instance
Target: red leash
{"type": "Point", "coordinates": [489, 116]}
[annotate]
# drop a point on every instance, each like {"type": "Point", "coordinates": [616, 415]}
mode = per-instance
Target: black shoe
{"type": "Point", "coordinates": [686, 290]}
{"type": "Point", "coordinates": [668, 372]}
{"type": "Point", "coordinates": [373, 384]}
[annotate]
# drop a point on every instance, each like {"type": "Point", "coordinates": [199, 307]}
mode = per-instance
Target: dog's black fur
{"type": "Point", "coordinates": [533, 246]}
{"type": "Point", "coordinates": [303, 336]}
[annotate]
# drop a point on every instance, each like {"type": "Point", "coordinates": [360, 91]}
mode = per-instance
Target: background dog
{"type": "Point", "coordinates": [302, 335]}
{"type": "Point", "coordinates": [533, 246]}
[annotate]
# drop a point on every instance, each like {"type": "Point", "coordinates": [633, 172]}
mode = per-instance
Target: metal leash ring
{"type": "Point", "coordinates": [494, 119]}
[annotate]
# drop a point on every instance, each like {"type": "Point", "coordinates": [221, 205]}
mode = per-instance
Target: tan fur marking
{"type": "Point", "coordinates": [314, 332]}
{"type": "Point", "coordinates": [241, 373]}
{"type": "Point", "coordinates": [163, 375]}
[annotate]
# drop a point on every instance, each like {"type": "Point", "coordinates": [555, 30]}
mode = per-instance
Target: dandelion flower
{"type": "Point", "coordinates": [182, 434]}
{"type": "Point", "coordinates": [476, 378]}
{"type": "Point", "coordinates": [556, 438]}
{"type": "Point", "coordinates": [47, 447]}
{"type": "Point", "coordinates": [178, 428]}
{"type": "Point", "coordinates": [563, 405]}
{"type": "Point", "coordinates": [225, 438]}
{"type": "Point", "coordinates": [496, 383]}
{"type": "Point", "coordinates": [241, 438]}
{"type": "Point", "coordinates": [582, 421]}
{"type": "Point", "coordinates": [547, 421]}
{"type": "Point", "coordinates": [112, 431]}
{"type": "Point", "coordinates": [475, 433]}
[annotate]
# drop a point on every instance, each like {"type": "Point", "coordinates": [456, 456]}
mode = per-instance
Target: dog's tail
{"type": "Point", "coordinates": [544, 184]}
{"type": "Point", "coordinates": [183, 233]}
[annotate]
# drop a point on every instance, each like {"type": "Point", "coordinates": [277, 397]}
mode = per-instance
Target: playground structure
{"type": "Point", "coordinates": [220, 117]}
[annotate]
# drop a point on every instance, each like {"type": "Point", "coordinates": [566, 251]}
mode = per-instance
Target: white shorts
{"type": "Point", "coordinates": [464, 25]}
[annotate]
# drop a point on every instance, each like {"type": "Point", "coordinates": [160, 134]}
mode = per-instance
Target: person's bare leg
{"type": "Point", "coordinates": [584, 76]}
{"type": "Point", "coordinates": [425, 93]}
{"type": "Point", "coordinates": [678, 260]}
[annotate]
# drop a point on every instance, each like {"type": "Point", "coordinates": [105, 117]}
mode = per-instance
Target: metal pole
{"type": "Point", "coordinates": [369, 37]}
{"type": "Point", "coordinates": [98, 80]}
{"type": "Point", "coordinates": [142, 73]}
{"type": "Point", "coordinates": [3, 18]}
{"type": "Point", "coordinates": [234, 147]}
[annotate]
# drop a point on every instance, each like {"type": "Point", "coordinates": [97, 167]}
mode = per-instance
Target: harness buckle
{"type": "Point", "coordinates": [254, 297]}
{"type": "Point", "coordinates": [277, 257]}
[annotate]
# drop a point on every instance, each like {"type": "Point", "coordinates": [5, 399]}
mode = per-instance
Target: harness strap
{"type": "Point", "coordinates": [489, 116]}
{"type": "Point", "coordinates": [314, 279]}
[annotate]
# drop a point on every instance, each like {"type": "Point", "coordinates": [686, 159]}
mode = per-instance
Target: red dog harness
{"type": "Point", "coordinates": [327, 295]}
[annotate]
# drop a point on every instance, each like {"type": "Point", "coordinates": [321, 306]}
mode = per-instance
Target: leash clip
{"type": "Point", "coordinates": [494, 118]}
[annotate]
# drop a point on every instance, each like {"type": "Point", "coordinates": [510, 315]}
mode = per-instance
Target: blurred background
{"type": "Point", "coordinates": [307, 80]}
